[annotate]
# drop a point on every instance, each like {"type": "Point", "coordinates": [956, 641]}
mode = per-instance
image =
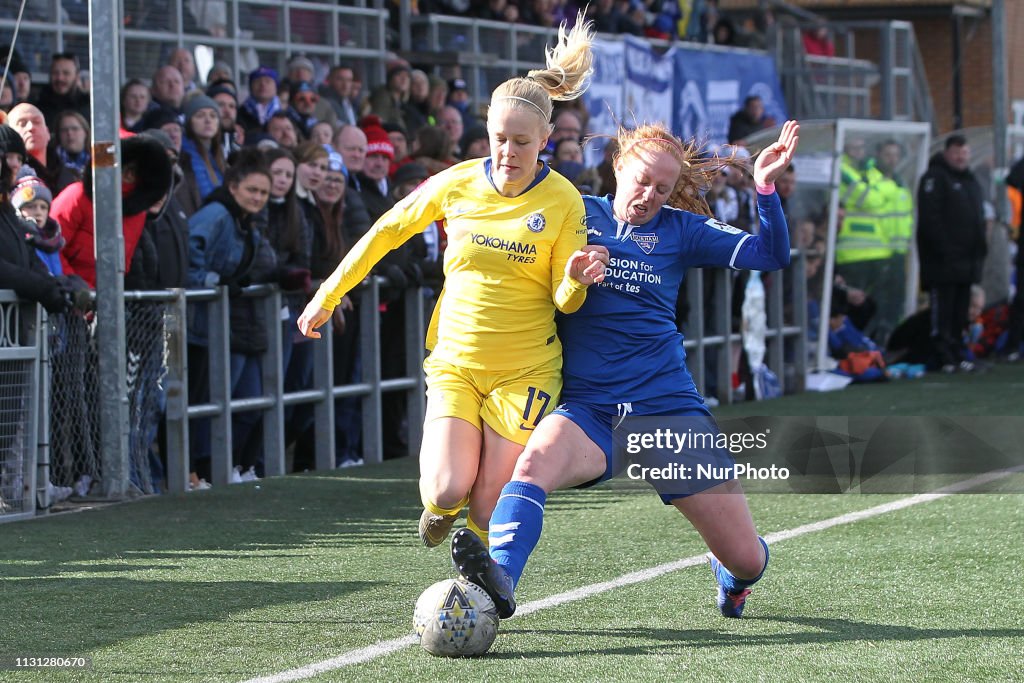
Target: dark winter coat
{"type": "Point", "coordinates": [161, 257]}
{"type": "Point", "coordinates": [21, 269]}
{"type": "Point", "coordinates": [951, 241]}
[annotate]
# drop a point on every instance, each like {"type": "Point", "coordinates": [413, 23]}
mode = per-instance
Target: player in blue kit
{"type": "Point", "coordinates": [624, 356]}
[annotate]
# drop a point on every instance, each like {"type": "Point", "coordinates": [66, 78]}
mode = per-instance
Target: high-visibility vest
{"type": "Point", "coordinates": [861, 236]}
{"type": "Point", "coordinates": [897, 215]}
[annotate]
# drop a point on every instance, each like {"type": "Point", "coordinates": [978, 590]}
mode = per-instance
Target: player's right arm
{"type": "Point", "coordinates": [410, 216]}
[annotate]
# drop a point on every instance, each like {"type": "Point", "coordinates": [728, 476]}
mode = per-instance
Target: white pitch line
{"type": "Point", "coordinates": [386, 647]}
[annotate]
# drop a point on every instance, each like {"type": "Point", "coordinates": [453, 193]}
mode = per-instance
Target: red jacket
{"type": "Point", "coordinates": [72, 209]}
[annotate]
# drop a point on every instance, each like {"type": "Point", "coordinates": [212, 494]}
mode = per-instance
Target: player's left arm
{"type": "Point", "coordinates": [573, 267]}
{"type": "Point", "coordinates": [769, 249]}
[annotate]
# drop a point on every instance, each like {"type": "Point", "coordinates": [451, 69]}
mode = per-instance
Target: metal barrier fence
{"type": "Point", "coordinates": [274, 401]}
{"type": "Point", "coordinates": [51, 381]}
{"type": "Point", "coordinates": [19, 409]}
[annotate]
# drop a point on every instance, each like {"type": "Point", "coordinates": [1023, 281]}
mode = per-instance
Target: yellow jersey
{"type": "Point", "coordinates": [504, 265]}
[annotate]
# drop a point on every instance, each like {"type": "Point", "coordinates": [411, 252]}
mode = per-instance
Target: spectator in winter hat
{"type": "Point", "coordinates": [167, 120]}
{"type": "Point", "coordinates": [31, 199]}
{"type": "Point", "coordinates": [476, 144]}
{"type": "Point", "coordinates": [263, 101]}
{"type": "Point", "coordinates": [400, 142]}
{"type": "Point", "coordinates": [406, 178]}
{"type": "Point", "coordinates": [20, 268]}
{"type": "Point", "coordinates": [220, 71]}
{"type": "Point", "coordinates": [301, 68]}
{"type": "Point", "coordinates": [374, 178]}
{"type": "Point", "coordinates": [302, 107]}
{"type": "Point", "coordinates": [202, 153]}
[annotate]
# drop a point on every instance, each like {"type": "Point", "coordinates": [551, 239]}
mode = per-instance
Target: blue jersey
{"type": "Point", "coordinates": [622, 345]}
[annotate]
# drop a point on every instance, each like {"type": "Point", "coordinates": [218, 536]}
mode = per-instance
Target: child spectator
{"type": "Point", "coordinates": [31, 199]}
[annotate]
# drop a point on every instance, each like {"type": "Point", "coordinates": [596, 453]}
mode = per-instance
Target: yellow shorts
{"type": "Point", "coordinates": [511, 402]}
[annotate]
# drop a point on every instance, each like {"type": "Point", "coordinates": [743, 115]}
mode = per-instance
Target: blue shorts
{"type": "Point", "coordinates": [609, 426]}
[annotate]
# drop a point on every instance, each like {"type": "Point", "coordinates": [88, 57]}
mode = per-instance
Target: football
{"type": "Point", "coordinates": [454, 618]}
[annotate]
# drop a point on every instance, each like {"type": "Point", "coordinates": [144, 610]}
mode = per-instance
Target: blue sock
{"type": "Point", "coordinates": [734, 585]}
{"type": "Point", "coordinates": [515, 525]}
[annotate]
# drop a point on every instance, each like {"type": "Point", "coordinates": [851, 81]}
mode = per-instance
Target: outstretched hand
{"type": "Point", "coordinates": [587, 265]}
{"type": "Point", "coordinates": [313, 317]}
{"type": "Point", "coordinates": [776, 157]}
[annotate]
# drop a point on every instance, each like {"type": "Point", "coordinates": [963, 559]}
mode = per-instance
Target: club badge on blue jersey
{"type": "Point", "coordinates": [645, 240]}
{"type": "Point", "coordinates": [535, 222]}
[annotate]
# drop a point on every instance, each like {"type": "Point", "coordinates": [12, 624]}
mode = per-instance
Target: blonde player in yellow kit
{"type": "Point", "coordinates": [516, 230]}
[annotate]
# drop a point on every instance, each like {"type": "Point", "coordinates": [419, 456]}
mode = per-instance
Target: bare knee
{"type": "Point", "coordinates": [536, 466]}
{"type": "Point", "coordinates": [442, 491]}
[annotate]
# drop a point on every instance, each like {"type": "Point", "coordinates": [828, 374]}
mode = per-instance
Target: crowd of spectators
{"type": "Point", "coordinates": [232, 184]}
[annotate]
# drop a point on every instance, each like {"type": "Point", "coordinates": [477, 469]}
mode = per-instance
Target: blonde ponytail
{"type": "Point", "coordinates": [569, 64]}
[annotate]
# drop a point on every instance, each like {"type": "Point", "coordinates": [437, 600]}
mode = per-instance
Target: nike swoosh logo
{"type": "Point", "coordinates": [522, 426]}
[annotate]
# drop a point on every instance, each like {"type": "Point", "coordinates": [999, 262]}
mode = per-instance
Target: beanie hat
{"type": "Point", "coordinates": [221, 88]}
{"type": "Point", "coordinates": [410, 172]}
{"type": "Point", "coordinates": [261, 72]}
{"type": "Point", "coordinates": [303, 86]}
{"type": "Point", "coordinates": [162, 137]}
{"type": "Point", "coordinates": [378, 142]}
{"type": "Point", "coordinates": [395, 128]}
{"type": "Point", "coordinates": [10, 141]}
{"type": "Point", "coordinates": [335, 162]}
{"type": "Point", "coordinates": [30, 188]}
{"type": "Point", "coordinates": [197, 103]}
{"type": "Point", "coordinates": [159, 117]}
{"type": "Point", "coordinates": [301, 62]}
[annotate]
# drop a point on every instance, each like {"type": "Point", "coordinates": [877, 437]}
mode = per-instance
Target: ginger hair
{"type": "Point", "coordinates": [697, 169]}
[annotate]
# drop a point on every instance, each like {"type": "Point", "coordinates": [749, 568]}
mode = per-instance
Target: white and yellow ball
{"type": "Point", "coordinates": [454, 618]}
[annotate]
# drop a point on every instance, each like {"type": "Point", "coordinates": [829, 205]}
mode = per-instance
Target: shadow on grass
{"type": "Point", "coordinates": [140, 611]}
{"type": "Point", "coordinates": [662, 641]}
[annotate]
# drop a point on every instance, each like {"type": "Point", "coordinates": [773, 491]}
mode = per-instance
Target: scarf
{"type": "Point", "coordinates": [253, 107]}
{"type": "Point", "coordinates": [47, 239]}
{"type": "Point", "coordinates": [76, 163]}
{"type": "Point", "coordinates": [207, 175]}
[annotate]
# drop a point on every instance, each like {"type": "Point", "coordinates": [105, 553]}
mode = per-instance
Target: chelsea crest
{"type": "Point", "coordinates": [535, 222]}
